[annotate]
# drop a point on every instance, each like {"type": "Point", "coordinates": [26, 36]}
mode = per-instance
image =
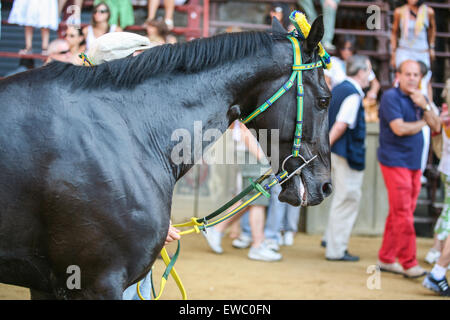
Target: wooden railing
{"type": "Point", "coordinates": [382, 36]}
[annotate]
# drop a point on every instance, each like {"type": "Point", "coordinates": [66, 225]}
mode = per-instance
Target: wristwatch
{"type": "Point", "coordinates": [427, 107]}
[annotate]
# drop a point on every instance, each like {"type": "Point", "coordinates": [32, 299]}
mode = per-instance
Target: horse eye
{"type": "Point", "coordinates": [323, 102]}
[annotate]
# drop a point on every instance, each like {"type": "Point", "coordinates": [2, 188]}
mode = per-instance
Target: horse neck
{"type": "Point", "coordinates": [209, 98]}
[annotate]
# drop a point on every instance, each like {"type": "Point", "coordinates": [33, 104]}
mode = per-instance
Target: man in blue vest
{"type": "Point", "coordinates": [347, 139]}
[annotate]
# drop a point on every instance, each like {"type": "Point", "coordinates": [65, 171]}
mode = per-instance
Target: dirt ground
{"type": "Point", "coordinates": [302, 274]}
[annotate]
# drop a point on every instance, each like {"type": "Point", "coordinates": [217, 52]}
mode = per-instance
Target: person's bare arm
{"type": "Point", "coordinates": [394, 35]}
{"type": "Point", "coordinates": [251, 143]}
{"type": "Point", "coordinates": [374, 89]}
{"type": "Point", "coordinates": [431, 32]}
{"type": "Point", "coordinates": [61, 4]}
{"type": "Point", "coordinates": [430, 91]}
{"type": "Point", "coordinates": [337, 130]}
{"type": "Point", "coordinates": [328, 81]}
{"type": "Point", "coordinates": [431, 118]}
{"type": "Point", "coordinates": [402, 128]}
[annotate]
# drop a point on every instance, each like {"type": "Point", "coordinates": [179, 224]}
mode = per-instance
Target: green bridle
{"type": "Point", "coordinates": [297, 70]}
{"type": "Point", "coordinates": [201, 224]}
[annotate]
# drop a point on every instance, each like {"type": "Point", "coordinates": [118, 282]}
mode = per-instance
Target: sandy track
{"type": "Point", "coordinates": [302, 274]}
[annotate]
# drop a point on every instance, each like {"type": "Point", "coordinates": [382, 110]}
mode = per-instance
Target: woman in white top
{"type": "Point", "coordinates": [345, 49]}
{"type": "Point", "coordinates": [41, 14]}
{"type": "Point", "coordinates": [99, 24]}
{"type": "Point", "coordinates": [416, 23]}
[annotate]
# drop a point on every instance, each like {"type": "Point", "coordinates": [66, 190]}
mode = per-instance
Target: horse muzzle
{"type": "Point", "coordinates": [301, 191]}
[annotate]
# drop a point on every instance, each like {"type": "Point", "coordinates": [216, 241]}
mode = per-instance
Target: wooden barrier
{"type": "Point", "coordinates": [381, 36]}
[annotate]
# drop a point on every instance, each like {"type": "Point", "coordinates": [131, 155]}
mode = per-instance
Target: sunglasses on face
{"type": "Point", "coordinates": [63, 52]}
{"type": "Point", "coordinates": [101, 11]}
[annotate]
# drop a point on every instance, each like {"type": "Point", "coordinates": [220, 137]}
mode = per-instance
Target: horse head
{"type": "Point", "coordinates": [311, 184]}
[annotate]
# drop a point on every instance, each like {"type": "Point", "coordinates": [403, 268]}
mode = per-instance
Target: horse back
{"type": "Point", "coordinates": [67, 169]}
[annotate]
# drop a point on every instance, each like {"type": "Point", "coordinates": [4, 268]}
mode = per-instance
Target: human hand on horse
{"type": "Point", "coordinates": [172, 235]}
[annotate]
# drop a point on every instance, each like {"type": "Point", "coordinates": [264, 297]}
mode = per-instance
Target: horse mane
{"type": "Point", "coordinates": [189, 57]}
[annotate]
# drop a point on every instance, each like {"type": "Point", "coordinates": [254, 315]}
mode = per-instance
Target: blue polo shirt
{"type": "Point", "coordinates": [396, 151]}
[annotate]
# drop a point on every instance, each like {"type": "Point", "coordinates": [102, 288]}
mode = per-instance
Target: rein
{"type": "Point", "coordinates": [297, 69]}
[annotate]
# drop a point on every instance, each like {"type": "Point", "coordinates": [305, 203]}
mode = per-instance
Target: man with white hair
{"type": "Point", "coordinates": [59, 50]}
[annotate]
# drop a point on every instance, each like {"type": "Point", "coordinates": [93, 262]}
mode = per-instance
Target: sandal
{"type": "Point", "coordinates": [169, 23]}
{"type": "Point", "coordinates": [26, 51]}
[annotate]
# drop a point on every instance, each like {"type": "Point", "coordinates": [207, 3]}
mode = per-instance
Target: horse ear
{"type": "Point", "coordinates": [315, 34]}
{"type": "Point", "coordinates": [277, 26]}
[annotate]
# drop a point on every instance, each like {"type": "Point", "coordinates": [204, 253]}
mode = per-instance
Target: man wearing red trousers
{"type": "Point", "coordinates": [403, 112]}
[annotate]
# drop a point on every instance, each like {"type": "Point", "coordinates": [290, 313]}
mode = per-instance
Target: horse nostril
{"type": "Point", "coordinates": [327, 188]}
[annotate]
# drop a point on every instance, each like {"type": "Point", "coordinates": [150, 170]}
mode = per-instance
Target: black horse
{"type": "Point", "coordinates": [86, 176]}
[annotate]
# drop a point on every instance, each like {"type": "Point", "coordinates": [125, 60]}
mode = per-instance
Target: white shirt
{"type": "Point", "coordinates": [349, 107]}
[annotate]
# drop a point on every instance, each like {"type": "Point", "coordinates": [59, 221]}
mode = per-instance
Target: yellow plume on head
{"type": "Point", "coordinates": [300, 22]}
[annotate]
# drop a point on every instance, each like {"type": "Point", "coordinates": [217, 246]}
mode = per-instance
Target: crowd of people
{"type": "Point", "coordinates": [107, 16]}
{"type": "Point", "coordinates": [407, 116]}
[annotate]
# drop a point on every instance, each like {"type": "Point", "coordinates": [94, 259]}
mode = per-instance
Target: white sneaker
{"type": "Point", "coordinates": [169, 23]}
{"type": "Point", "coordinates": [288, 238]}
{"type": "Point", "coordinates": [280, 239]}
{"type": "Point", "coordinates": [432, 256]}
{"type": "Point", "coordinates": [272, 244]}
{"type": "Point", "coordinates": [243, 242]}
{"type": "Point", "coordinates": [214, 239]}
{"type": "Point", "coordinates": [262, 253]}
{"type": "Point", "coordinates": [423, 180]}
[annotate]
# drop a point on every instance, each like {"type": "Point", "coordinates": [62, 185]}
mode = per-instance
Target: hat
{"type": "Point", "coordinates": [116, 45]}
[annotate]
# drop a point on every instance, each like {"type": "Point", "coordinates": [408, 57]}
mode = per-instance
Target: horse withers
{"type": "Point", "coordinates": [86, 175]}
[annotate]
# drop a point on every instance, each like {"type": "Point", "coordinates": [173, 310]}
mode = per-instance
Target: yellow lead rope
{"type": "Point", "coordinates": [174, 275]}
{"type": "Point", "coordinates": [195, 228]}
